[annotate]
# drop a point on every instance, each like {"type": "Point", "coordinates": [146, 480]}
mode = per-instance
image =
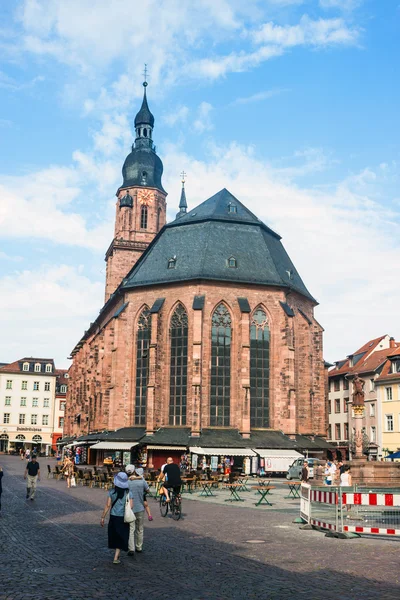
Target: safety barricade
{"type": "Point", "coordinates": [372, 512]}
{"type": "Point", "coordinates": [350, 510]}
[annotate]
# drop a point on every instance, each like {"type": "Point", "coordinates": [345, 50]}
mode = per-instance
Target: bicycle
{"type": "Point", "coordinates": [174, 506]}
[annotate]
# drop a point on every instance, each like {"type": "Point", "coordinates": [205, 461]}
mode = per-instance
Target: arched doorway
{"type": "Point", "coordinates": [4, 442]}
{"type": "Point", "coordinates": [19, 441]}
{"type": "Point", "coordinates": [37, 442]}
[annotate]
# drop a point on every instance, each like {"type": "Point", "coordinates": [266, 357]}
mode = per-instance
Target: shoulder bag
{"type": "Point", "coordinates": [129, 516]}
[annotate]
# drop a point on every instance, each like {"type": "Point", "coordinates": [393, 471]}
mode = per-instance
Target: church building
{"type": "Point", "coordinates": [207, 330]}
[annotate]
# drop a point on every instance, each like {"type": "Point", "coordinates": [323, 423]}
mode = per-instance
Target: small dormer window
{"type": "Point", "coordinates": [232, 208]}
{"type": "Point", "coordinates": [172, 263]}
{"type": "Point", "coordinates": [49, 368]}
{"type": "Point", "coordinates": [37, 367]}
{"type": "Point", "coordinates": [232, 263]}
{"type": "Point", "coordinates": [25, 367]}
{"type": "Point", "coordinates": [144, 177]}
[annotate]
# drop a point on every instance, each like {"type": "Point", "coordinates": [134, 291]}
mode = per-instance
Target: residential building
{"type": "Point", "coordinates": [368, 362]}
{"type": "Point", "coordinates": [27, 404]}
{"type": "Point", "coordinates": [207, 323]}
{"type": "Point", "coordinates": [59, 405]}
{"type": "Point", "coordinates": [388, 391]}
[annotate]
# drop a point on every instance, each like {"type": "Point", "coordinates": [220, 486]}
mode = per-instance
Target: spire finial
{"type": "Point", "coordinates": [182, 203]}
{"type": "Point", "coordinates": [145, 73]}
{"type": "Point", "coordinates": [183, 175]}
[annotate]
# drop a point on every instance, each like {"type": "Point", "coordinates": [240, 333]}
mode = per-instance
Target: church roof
{"type": "Point", "coordinates": [220, 240]}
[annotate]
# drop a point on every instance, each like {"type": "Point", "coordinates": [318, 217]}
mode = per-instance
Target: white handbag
{"type": "Point", "coordinates": [73, 481]}
{"type": "Point", "coordinates": [129, 515]}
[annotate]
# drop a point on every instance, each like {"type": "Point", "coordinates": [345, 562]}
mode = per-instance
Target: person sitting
{"type": "Point", "coordinates": [171, 479]}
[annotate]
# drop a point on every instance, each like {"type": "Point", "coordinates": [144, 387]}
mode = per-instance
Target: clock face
{"type": "Point", "coordinates": [145, 197]}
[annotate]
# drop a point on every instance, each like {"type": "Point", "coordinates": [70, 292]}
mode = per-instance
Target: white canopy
{"type": "Point", "coordinates": [222, 451]}
{"type": "Point", "coordinates": [114, 445]}
{"type": "Point", "coordinates": [273, 453]}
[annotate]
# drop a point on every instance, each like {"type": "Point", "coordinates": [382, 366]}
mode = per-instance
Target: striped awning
{"type": "Point", "coordinates": [114, 445]}
{"type": "Point", "coordinates": [222, 451]}
{"type": "Point", "coordinates": [181, 448]}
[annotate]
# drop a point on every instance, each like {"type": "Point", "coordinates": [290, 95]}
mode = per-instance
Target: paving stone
{"type": "Point", "coordinates": [55, 548]}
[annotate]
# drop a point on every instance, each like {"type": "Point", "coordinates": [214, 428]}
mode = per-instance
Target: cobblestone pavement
{"type": "Point", "coordinates": [54, 548]}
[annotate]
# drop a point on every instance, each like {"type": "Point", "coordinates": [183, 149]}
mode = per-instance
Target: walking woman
{"type": "Point", "coordinates": [68, 470]}
{"type": "Point", "coordinates": [118, 530]}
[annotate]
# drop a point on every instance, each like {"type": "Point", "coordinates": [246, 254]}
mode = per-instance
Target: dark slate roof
{"type": "Point", "coordinates": [144, 116]}
{"type": "Point", "coordinates": [168, 436]}
{"type": "Point", "coordinates": [143, 159]}
{"type": "Point", "coordinates": [204, 239]}
{"type": "Point", "coordinates": [305, 443]}
{"type": "Point", "coordinates": [126, 434]}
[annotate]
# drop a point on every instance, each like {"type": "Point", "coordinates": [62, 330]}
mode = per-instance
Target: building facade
{"type": "Point", "coordinates": [388, 391]}
{"type": "Point", "coordinates": [27, 396]}
{"type": "Point", "coordinates": [207, 323]}
{"type": "Point", "coordinates": [368, 361]}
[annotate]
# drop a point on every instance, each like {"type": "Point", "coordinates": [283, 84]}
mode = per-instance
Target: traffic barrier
{"type": "Point", "coordinates": [350, 510]}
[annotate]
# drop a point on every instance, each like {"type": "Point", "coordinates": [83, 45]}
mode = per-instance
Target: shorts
{"type": "Point", "coordinates": [169, 486]}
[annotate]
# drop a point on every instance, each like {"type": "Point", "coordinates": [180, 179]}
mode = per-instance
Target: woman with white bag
{"type": "Point", "coordinates": [120, 506]}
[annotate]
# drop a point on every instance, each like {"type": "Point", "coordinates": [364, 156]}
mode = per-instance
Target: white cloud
{"type": "Point", "coordinates": [322, 32]}
{"type": "Point", "coordinates": [259, 96]}
{"type": "Point", "coordinates": [11, 84]}
{"type": "Point", "coordinates": [203, 122]}
{"type": "Point", "coordinates": [178, 115]}
{"type": "Point", "coordinates": [52, 307]}
{"type": "Point", "coordinates": [343, 241]}
{"type": "Point", "coordinates": [345, 5]}
{"type": "Point", "coordinates": [213, 68]}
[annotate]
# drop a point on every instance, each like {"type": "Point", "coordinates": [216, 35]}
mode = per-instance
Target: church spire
{"type": "Point", "coordinates": [182, 203]}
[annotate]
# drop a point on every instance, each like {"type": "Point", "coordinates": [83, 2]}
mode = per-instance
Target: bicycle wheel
{"type": "Point", "coordinates": [176, 509]}
{"type": "Point", "coordinates": [163, 506]}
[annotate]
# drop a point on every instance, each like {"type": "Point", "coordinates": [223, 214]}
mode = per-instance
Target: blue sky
{"type": "Point", "coordinates": [290, 104]}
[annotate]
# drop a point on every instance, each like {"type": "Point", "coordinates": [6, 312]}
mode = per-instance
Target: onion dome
{"type": "Point", "coordinates": [144, 116]}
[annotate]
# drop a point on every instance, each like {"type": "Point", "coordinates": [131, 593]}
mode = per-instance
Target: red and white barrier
{"type": "Point", "coordinates": [324, 497]}
{"type": "Point", "coordinates": [374, 530]}
{"type": "Point", "coordinates": [371, 499]}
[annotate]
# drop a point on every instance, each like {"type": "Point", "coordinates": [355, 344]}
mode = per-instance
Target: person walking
{"type": "Point", "coordinates": [138, 488]}
{"type": "Point", "coordinates": [118, 530]}
{"type": "Point", "coordinates": [68, 470]}
{"type": "Point", "coordinates": [32, 472]}
{"type": "Point", "coordinates": [1, 485]}
{"type": "Point", "coordinates": [305, 472]}
{"type": "Point", "coordinates": [21, 453]}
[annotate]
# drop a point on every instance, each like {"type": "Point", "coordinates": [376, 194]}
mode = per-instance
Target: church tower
{"type": "Point", "coordinates": [141, 202]}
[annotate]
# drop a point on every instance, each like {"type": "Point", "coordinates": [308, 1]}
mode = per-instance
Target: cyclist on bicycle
{"type": "Point", "coordinates": [171, 477]}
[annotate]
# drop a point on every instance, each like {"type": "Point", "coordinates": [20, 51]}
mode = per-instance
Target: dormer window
{"type": "Point", "coordinates": [232, 262]}
{"type": "Point", "coordinates": [25, 367]}
{"type": "Point", "coordinates": [232, 208]}
{"type": "Point", "coordinates": [172, 263]}
{"type": "Point", "coordinates": [38, 367]}
{"type": "Point", "coordinates": [144, 178]}
{"type": "Point", "coordinates": [396, 366]}
{"type": "Point", "coordinates": [49, 368]}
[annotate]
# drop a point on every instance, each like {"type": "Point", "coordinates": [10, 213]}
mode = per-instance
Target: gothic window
{"type": "Point", "coordinates": [221, 339]}
{"type": "Point", "coordinates": [259, 370]}
{"type": "Point", "coordinates": [178, 366]}
{"type": "Point", "coordinates": [142, 366]}
{"type": "Point", "coordinates": [143, 217]}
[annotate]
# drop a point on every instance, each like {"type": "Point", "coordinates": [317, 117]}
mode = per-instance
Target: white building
{"type": "Point", "coordinates": [28, 404]}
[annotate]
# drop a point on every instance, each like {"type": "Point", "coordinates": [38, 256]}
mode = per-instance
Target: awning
{"type": "Point", "coordinates": [114, 445]}
{"type": "Point", "coordinates": [222, 451]}
{"type": "Point", "coordinates": [182, 448]}
{"type": "Point", "coordinates": [273, 453]}
{"type": "Point", "coordinates": [83, 443]}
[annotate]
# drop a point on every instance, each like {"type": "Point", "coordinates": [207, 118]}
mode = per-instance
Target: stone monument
{"type": "Point", "coordinates": [364, 471]}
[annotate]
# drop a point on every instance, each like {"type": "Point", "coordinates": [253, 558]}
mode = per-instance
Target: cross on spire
{"type": "Point", "coordinates": [145, 73]}
{"type": "Point", "coordinates": [183, 175]}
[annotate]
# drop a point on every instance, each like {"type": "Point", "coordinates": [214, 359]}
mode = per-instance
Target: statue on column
{"type": "Point", "coordinates": [358, 391]}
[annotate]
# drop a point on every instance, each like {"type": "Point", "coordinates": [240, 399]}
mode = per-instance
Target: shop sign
{"type": "Point", "coordinates": [29, 429]}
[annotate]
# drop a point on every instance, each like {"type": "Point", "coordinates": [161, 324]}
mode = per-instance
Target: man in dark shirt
{"type": "Point", "coordinates": [172, 478]}
{"type": "Point", "coordinates": [32, 471]}
{"type": "Point", "coordinates": [305, 472]}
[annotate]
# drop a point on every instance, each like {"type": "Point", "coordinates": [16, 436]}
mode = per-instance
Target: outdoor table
{"type": "Point", "coordinates": [233, 487]}
{"type": "Point", "coordinates": [264, 482]}
{"type": "Point", "coordinates": [294, 489]}
{"type": "Point", "coordinates": [264, 490]}
{"type": "Point", "coordinates": [242, 482]}
{"type": "Point", "coordinates": [206, 491]}
{"type": "Point", "coordinates": [188, 481]}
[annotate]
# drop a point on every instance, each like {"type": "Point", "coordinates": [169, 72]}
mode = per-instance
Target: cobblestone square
{"type": "Point", "coordinates": [55, 548]}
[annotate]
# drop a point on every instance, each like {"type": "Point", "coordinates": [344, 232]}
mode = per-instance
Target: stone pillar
{"type": "Point", "coordinates": [196, 371]}
{"type": "Point", "coordinates": [151, 386]}
{"type": "Point", "coordinates": [358, 436]}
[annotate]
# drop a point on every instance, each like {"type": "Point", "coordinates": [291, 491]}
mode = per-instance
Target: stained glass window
{"type": "Point", "coordinates": [142, 365]}
{"type": "Point", "coordinates": [178, 366]}
{"type": "Point", "coordinates": [220, 388]}
{"type": "Point", "coordinates": [259, 370]}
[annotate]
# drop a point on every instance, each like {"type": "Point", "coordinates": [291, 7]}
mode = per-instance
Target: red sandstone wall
{"type": "Point", "coordinates": [103, 374]}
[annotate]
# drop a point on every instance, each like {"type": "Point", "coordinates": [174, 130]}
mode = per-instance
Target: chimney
{"type": "Point", "coordinates": [392, 343]}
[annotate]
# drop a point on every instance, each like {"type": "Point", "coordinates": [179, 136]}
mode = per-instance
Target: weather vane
{"type": "Point", "coordinates": [183, 175]}
{"type": "Point", "coordinates": [145, 73]}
